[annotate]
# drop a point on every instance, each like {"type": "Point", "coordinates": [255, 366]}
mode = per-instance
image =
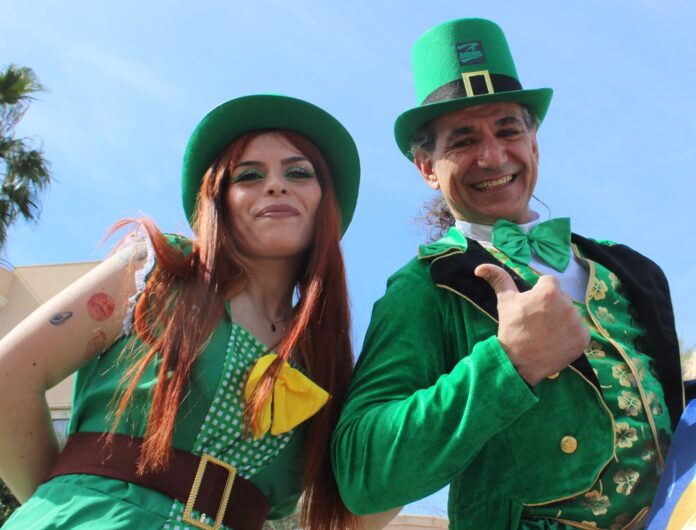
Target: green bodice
{"type": "Point", "coordinates": [209, 421]}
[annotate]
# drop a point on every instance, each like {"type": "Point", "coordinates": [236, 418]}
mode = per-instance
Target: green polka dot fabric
{"type": "Point", "coordinates": [623, 492]}
{"type": "Point", "coordinates": [222, 433]}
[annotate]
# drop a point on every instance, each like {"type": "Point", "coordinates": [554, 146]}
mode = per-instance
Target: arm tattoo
{"type": "Point", "coordinates": [100, 306]}
{"type": "Point", "coordinates": [60, 318]}
{"type": "Point", "coordinates": [96, 345]}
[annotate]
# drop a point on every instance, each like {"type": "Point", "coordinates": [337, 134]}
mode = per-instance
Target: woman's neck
{"type": "Point", "coordinates": [264, 304]}
{"type": "Point", "coordinates": [270, 283]}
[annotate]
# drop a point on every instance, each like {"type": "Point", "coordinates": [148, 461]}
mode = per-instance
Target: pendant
{"type": "Point", "coordinates": [273, 328]}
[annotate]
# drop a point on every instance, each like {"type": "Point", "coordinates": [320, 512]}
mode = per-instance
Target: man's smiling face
{"type": "Point", "coordinates": [485, 163]}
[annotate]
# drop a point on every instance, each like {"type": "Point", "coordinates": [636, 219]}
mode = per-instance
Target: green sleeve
{"type": "Point", "coordinates": [179, 242]}
{"type": "Point", "coordinates": [418, 412]}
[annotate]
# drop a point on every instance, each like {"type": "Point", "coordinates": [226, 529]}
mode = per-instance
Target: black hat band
{"type": "Point", "coordinates": [473, 84]}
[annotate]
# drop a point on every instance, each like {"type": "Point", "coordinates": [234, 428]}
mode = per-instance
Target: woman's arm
{"type": "Point", "coordinates": [62, 335]}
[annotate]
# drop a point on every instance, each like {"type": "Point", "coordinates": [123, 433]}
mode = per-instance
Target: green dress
{"type": "Point", "coordinates": [209, 420]}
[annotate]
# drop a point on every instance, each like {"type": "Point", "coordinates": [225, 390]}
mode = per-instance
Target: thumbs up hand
{"type": "Point", "coordinates": [540, 330]}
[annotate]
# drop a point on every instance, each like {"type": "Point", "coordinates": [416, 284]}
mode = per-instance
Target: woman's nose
{"type": "Point", "coordinates": [275, 184]}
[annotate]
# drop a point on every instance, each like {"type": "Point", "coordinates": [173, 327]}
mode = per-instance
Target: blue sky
{"type": "Point", "coordinates": [127, 82]}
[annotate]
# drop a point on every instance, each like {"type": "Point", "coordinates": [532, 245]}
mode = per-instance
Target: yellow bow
{"type": "Point", "coordinates": [295, 399]}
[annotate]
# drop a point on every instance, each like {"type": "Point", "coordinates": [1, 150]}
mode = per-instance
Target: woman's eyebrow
{"type": "Point", "coordinates": [289, 160]}
{"type": "Point", "coordinates": [293, 159]}
{"type": "Point", "coordinates": [249, 163]}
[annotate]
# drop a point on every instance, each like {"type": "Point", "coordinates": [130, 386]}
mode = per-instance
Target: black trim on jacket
{"type": "Point", "coordinates": [645, 286]}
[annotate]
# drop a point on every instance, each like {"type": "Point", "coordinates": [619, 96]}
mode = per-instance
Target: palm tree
{"type": "Point", "coordinates": [8, 503]}
{"type": "Point", "coordinates": [23, 170]}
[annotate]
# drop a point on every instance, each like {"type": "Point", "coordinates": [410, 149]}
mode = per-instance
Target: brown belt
{"type": "Point", "coordinates": [202, 483]}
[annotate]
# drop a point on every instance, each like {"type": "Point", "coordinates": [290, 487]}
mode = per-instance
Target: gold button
{"type": "Point", "coordinates": [569, 445]}
{"type": "Point", "coordinates": [553, 376]}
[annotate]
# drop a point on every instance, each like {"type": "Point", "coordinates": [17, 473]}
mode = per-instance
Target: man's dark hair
{"type": "Point", "coordinates": [435, 214]}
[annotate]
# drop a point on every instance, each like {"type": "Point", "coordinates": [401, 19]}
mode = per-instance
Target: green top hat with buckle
{"type": "Point", "coordinates": [463, 63]}
{"type": "Point", "coordinates": [235, 117]}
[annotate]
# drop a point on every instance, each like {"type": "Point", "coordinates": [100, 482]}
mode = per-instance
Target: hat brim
{"type": "Point", "coordinates": [409, 122]}
{"type": "Point", "coordinates": [236, 117]}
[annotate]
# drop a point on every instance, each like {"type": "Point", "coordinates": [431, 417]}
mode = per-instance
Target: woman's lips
{"type": "Point", "coordinates": [278, 210]}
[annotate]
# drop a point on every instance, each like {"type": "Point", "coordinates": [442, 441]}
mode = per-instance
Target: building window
{"type": "Point", "coordinates": [61, 418]}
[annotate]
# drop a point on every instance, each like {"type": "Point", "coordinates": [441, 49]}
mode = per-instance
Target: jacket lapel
{"type": "Point", "coordinates": [455, 271]}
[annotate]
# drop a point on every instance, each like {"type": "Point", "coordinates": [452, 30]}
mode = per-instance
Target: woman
{"type": "Point", "coordinates": [181, 416]}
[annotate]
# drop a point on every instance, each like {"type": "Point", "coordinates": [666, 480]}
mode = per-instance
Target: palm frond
{"type": "Point", "coordinates": [17, 83]}
{"type": "Point", "coordinates": [24, 171]}
{"type": "Point", "coordinates": [28, 167]}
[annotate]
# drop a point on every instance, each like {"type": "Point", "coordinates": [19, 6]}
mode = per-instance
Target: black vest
{"type": "Point", "coordinates": [644, 284]}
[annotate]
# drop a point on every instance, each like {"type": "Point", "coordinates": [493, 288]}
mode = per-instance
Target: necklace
{"type": "Point", "coordinates": [258, 307]}
{"type": "Point", "coordinates": [273, 323]}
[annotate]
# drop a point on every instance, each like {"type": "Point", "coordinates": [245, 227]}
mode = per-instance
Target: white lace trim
{"type": "Point", "coordinates": [140, 278]}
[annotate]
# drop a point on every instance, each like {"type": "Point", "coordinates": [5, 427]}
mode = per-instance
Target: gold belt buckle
{"type": "Point", "coordinates": [231, 473]}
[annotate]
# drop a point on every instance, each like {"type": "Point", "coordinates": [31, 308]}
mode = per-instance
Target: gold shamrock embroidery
{"type": "Point", "coordinates": [623, 374]}
{"type": "Point", "coordinates": [626, 480]}
{"type": "Point", "coordinates": [596, 502]}
{"type": "Point", "coordinates": [614, 279]}
{"type": "Point", "coordinates": [630, 403]}
{"type": "Point", "coordinates": [605, 315]}
{"type": "Point", "coordinates": [625, 435]}
{"type": "Point", "coordinates": [654, 404]}
{"type": "Point", "coordinates": [599, 289]}
{"type": "Point", "coordinates": [595, 351]}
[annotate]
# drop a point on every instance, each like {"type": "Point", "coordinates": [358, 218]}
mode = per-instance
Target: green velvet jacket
{"type": "Point", "coordinates": [436, 401]}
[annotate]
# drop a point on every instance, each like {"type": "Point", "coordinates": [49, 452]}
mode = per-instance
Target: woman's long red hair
{"type": "Point", "coordinates": [184, 300]}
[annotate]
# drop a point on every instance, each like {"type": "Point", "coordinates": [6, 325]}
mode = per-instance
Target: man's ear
{"type": "Point", "coordinates": [535, 145]}
{"type": "Point", "coordinates": [425, 165]}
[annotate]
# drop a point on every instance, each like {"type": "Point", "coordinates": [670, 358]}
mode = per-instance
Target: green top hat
{"type": "Point", "coordinates": [238, 116]}
{"type": "Point", "coordinates": [459, 64]}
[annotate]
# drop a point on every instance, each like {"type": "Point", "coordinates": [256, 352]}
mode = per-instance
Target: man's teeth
{"type": "Point", "coordinates": [495, 183]}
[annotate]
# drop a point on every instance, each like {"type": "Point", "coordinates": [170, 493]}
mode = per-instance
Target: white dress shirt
{"type": "Point", "coordinates": [573, 279]}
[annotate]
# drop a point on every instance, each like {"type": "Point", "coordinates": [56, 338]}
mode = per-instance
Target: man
{"type": "Point", "coordinates": [536, 374]}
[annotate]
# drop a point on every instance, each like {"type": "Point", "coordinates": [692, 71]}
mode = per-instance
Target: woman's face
{"type": "Point", "coordinates": [273, 197]}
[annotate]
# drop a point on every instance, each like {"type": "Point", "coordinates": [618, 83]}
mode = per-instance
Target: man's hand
{"type": "Point", "coordinates": [540, 330]}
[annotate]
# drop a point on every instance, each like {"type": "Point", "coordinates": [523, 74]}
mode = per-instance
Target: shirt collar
{"type": "Point", "coordinates": [483, 233]}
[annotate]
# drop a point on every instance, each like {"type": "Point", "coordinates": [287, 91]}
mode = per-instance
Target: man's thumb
{"type": "Point", "coordinates": [497, 278]}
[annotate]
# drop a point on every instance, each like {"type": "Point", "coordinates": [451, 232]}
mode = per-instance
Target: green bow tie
{"type": "Point", "coordinates": [550, 240]}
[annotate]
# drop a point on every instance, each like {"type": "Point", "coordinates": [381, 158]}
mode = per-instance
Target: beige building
{"type": "Point", "coordinates": [417, 522]}
{"type": "Point", "coordinates": [24, 289]}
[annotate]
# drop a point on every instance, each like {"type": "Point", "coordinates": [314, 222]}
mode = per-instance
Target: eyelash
{"type": "Point", "coordinates": [299, 172]}
{"type": "Point", "coordinates": [247, 175]}
{"type": "Point", "coordinates": [295, 173]}
{"type": "Point", "coordinates": [504, 133]}
{"type": "Point", "coordinates": [463, 143]}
